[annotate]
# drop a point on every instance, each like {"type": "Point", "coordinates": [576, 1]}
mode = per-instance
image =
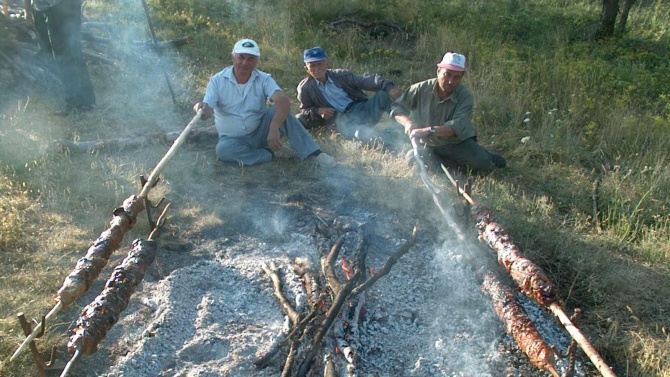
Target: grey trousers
{"type": "Point", "coordinates": [467, 153]}
{"type": "Point", "coordinates": [357, 123]}
{"type": "Point", "coordinates": [253, 149]}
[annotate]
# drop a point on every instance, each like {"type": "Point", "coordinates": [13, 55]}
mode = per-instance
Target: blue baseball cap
{"type": "Point", "coordinates": [315, 54]}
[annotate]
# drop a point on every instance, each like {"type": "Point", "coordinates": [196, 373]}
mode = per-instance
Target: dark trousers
{"type": "Point", "coordinates": [358, 121]}
{"type": "Point", "coordinates": [59, 29]}
{"type": "Point", "coordinates": [468, 154]}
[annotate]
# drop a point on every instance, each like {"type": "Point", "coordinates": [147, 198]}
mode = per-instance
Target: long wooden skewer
{"type": "Point", "coordinates": [556, 309]}
{"type": "Point", "coordinates": [153, 177]}
{"type": "Point", "coordinates": [73, 361]}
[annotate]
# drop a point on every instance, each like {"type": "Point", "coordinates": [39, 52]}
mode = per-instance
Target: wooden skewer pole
{"type": "Point", "coordinates": [73, 361]}
{"type": "Point", "coordinates": [422, 169]}
{"type": "Point", "coordinates": [153, 177]}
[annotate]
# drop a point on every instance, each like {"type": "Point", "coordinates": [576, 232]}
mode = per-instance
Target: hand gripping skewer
{"type": "Point", "coordinates": [153, 178]}
{"type": "Point", "coordinates": [540, 356]}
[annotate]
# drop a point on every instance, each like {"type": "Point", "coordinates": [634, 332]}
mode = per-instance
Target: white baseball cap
{"type": "Point", "coordinates": [453, 61]}
{"type": "Point", "coordinates": [247, 46]}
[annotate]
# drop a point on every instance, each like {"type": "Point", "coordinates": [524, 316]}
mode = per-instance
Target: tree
{"type": "Point", "coordinates": [607, 27]}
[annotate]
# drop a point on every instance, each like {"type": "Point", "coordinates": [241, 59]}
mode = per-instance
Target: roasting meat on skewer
{"type": "Point", "coordinates": [518, 324]}
{"type": "Point", "coordinates": [88, 268]}
{"type": "Point", "coordinates": [531, 279]}
{"type": "Point", "coordinates": [100, 315]}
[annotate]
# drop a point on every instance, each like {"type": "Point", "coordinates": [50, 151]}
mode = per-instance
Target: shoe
{"type": "Point", "coordinates": [498, 160]}
{"type": "Point", "coordinates": [325, 160]}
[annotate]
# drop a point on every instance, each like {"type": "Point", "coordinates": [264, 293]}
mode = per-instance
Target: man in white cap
{"type": "Point", "coordinates": [438, 112]}
{"type": "Point", "coordinates": [249, 130]}
{"type": "Point", "coordinates": [336, 97]}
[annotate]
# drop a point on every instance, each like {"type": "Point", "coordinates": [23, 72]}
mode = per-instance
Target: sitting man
{"type": "Point", "coordinates": [335, 97]}
{"type": "Point", "coordinates": [250, 130]}
{"type": "Point", "coordinates": [438, 112]}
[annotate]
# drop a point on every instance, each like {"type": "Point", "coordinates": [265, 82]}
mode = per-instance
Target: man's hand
{"type": "Point", "coordinates": [274, 139]}
{"type": "Point", "coordinates": [420, 133]}
{"type": "Point", "coordinates": [326, 112]}
{"type": "Point", "coordinates": [207, 111]}
{"type": "Point", "coordinates": [405, 122]}
{"type": "Point", "coordinates": [394, 93]}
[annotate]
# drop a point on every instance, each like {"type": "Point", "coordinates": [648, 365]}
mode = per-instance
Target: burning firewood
{"type": "Point", "coordinates": [337, 314]}
{"type": "Point", "coordinates": [518, 324]}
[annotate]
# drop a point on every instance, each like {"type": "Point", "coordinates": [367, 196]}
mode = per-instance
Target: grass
{"type": "Point", "coordinates": [565, 110]}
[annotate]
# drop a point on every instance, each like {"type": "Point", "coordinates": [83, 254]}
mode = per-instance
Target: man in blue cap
{"type": "Point", "coordinates": [336, 97]}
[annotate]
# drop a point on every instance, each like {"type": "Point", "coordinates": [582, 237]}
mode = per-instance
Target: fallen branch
{"type": "Point", "coordinates": [292, 314]}
{"type": "Point", "coordinates": [376, 26]}
{"type": "Point", "coordinates": [126, 143]}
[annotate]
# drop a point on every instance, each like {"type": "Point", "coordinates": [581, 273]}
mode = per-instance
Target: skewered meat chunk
{"type": "Point", "coordinates": [100, 315]}
{"type": "Point", "coordinates": [531, 279]}
{"type": "Point", "coordinates": [88, 268]}
{"type": "Point", "coordinates": [518, 324]}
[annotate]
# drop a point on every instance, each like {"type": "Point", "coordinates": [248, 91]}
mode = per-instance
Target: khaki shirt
{"type": "Point", "coordinates": [421, 104]}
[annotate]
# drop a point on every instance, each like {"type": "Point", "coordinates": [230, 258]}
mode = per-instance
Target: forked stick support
{"type": "Point", "coordinates": [42, 365]}
{"type": "Point", "coordinates": [38, 329]}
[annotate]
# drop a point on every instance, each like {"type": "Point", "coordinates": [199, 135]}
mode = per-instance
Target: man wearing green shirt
{"type": "Point", "coordinates": [438, 113]}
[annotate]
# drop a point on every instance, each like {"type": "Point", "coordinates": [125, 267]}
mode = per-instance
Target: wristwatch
{"type": "Point", "coordinates": [432, 129]}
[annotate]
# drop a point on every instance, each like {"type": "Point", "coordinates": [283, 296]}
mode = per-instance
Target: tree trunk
{"type": "Point", "coordinates": [621, 27]}
{"type": "Point", "coordinates": [607, 19]}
